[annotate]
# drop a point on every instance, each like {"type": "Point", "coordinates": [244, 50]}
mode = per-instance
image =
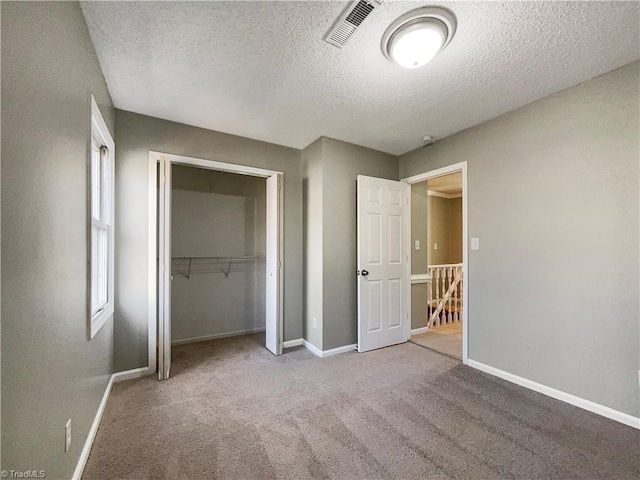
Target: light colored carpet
{"type": "Point", "coordinates": [446, 339]}
{"type": "Point", "coordinates": [234, 411]}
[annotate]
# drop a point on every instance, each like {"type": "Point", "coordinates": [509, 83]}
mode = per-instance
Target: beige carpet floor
{"type": "Point", "coordinates": [234, 411]}
{"type": "Point", "coordinates": [446, 339]}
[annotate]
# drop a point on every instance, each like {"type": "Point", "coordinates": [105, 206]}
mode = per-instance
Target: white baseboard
{"type": "Point", "coordinates": [328, 353]}
{"type": "Point", "coordinates": [292, 343]}
{"type": "Point", "coordinates": [135, 373]}
{"type": "Point", "coordinates": [417, 331]}
{"type": "Point", "coordinates": [560, 395]}
{"type": "Point", "coordinates": [216, 336]}
{"type": "Point", "coordinates": [338, 350]}
{"type": "Point", "coordinates": [84, 455]}
{"type": "Point", "coordinates": [312, 348]}
{"type": "Point", "coordinates": [116, 377]}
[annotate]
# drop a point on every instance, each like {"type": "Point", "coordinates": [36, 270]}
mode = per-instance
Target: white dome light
{"type": "Point", "coordinates": [417, 36]}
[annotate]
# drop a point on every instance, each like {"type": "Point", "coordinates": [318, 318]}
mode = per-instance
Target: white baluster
{"type": "Point", "coordinates": [458, 292]}
{"type": "Point", "coordinates": [462, 280]}
{"type": "Point", "coordinates": [456, 317]}
{"type": "Point", "coordinates": [436, 272]}
{"type": "Point", "coordinates": [443, 291]}
{"type": "Point", "coordinates": [443, 312]}
{"type": "Point", "coordinates": [429, 296]}
{"type": "Point", "coordinates": [451, 280]}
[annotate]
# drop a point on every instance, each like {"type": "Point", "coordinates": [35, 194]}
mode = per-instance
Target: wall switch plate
{"type": "Point", "coordinates": [67, 435]}
{"type": "Point", "coordinates": [475, 243]}
{"type": "Point", "coordinates": [314, 322]}
{"type": "Point", "coordinates": [435, 246]}
{"type": "Point", "coordinates": [417, 244]}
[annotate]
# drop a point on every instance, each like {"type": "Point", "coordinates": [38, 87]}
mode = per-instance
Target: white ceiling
{"type": "Point", "coordinates": [448, 184]}
{"type": "Point", "coordinates": [262, 70]}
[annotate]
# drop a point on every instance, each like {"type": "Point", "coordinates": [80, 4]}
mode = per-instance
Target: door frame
{"type": "Point", "coordinates": [456, 167]}
{"type": "Point", "coordinates": [156, 337]}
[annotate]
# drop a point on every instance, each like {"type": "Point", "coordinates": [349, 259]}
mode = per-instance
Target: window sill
{"type": "Point", "coordinates": [100, 318]}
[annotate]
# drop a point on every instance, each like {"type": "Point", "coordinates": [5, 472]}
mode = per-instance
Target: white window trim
{"type": "Point", "coordinates": [100, 132]}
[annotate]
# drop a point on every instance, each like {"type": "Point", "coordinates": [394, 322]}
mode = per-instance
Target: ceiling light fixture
{"type": "Point", "coordinates": [414, 38]}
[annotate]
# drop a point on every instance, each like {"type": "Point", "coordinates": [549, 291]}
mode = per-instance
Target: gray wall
{"type": "Point", "coordinates": [419, 227]}
{"type": "Point", "coordinates": [217, 214]}
{"type": "Point", "coordinates": [50, 370]}
{"type": "Point", "coordinates": [313, 258]}
{"type": "Point", "coordinates": [553, 197]}
{"type": "Point", "coordinates": [445, 230]}
{"type": "Point", "coordinates": [455, 232]}
{"type": "Point", "coordinates": [419, 298]}
{"type": "Point", "coordinates": [136, 135]}
{"type": "Point", "coordinates": [342, 163]}
{"type": "Point", "coordinates": [419, 231]}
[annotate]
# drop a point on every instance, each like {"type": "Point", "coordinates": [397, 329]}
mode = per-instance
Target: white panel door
{"type": "Point", "coordinates": [274, 264]}
{"type": "Point", "coordinates": [164, 270]}
{"type": "Point", "coordinates": [383, 263]}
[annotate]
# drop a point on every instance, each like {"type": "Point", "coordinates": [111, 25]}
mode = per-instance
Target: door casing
{"type": "Point", "coordinates": [457, 167]}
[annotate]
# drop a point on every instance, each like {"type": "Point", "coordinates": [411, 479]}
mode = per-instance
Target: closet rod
{"type": "Point", "coordinates": [205, 260]}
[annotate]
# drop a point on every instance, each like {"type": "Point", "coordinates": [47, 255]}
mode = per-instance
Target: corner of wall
{"type": "Point", "coordinates": [313, 234]}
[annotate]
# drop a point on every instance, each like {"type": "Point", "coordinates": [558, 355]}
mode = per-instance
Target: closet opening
{"type": "Point", "coordinates": [217, 261]}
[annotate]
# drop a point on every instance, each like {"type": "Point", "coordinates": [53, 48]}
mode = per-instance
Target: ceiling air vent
{"type": "Point", "coordinates": [349, 22]}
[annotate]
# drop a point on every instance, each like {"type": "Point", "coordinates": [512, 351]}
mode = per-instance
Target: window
{"type": "Point", "coordinates": [102, 262]}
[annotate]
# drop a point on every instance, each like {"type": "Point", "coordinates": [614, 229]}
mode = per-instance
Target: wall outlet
{"type": "Point", "coordinates": [417, 244]}
{"type": "Point", "coordinates": [67, 436]}
{"type": "Point", "coordinates": [314, 322]}
{"type": "Point", "coordinates": [435, 246]}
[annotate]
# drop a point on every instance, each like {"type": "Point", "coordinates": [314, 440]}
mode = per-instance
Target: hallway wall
{"type": "Point", "coordinates": [445, 230]}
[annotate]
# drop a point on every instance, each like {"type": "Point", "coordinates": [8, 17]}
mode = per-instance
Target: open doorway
{"type": "Point", "coordinates": [438, 261]}
{"type": "Point", "coordinates": [218, 232]}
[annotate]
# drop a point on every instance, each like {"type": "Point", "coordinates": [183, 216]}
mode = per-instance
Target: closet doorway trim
{"type": "Point", "coordinates": [159, 337]}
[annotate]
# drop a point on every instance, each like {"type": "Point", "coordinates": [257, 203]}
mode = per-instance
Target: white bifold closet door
{"type": "Point", "coordinates": [164, 269]}
{"type": "Point", "coordinates": [274, 264]}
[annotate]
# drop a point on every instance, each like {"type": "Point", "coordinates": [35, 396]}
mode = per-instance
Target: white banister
{"type": "Point", "coordinates": [445, 294]}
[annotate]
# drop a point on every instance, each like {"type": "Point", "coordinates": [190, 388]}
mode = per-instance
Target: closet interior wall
{"type": "Point", "coordinates": [218, 235]}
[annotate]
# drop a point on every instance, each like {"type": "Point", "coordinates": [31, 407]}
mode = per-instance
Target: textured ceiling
{"type": "Point", "coordinates": [262, 70]}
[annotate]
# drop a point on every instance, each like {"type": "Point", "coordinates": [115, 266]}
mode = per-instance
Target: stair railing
{"type": "Point", "coordinates": [445, 295]}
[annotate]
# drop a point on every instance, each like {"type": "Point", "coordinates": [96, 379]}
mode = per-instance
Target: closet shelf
{"type": "Point", "coordinates": [210, 261]}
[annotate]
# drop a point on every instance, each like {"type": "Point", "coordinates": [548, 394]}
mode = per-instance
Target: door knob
{"type": "Point", "coordinates": [365, 273]}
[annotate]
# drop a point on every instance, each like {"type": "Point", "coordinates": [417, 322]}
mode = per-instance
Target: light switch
{"type": "Point", "coordinates": [475, 243]}
{"type": "Point", "coordinates": [435, 246]}
{"type": "Point", "coordinates": [417, 244]}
